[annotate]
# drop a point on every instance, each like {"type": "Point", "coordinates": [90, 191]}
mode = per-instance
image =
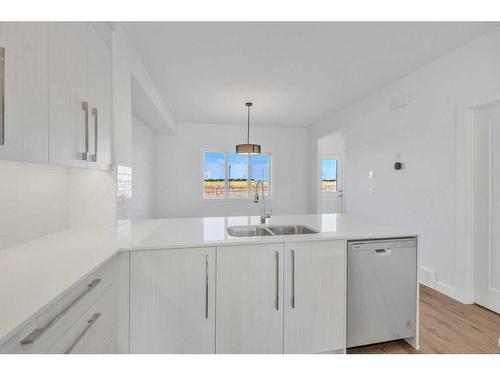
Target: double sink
{"type": "Point", "coordinates": [268, 230]}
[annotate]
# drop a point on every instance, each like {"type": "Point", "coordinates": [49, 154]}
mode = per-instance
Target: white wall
{"type": "Point", "coordinates": [127, 64]}
{"type": "Point", "coordinates": [423, 195]}
{"type": "Point", "coordinates": [143, 163]}
{"type": "Point", "coordinates": [179, 157]}
{"type": "Point", "coordinates": [38, 199]}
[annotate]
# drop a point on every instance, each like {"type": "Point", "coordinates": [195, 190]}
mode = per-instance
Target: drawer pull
{"type": "Point", "coordinates": [35, 334]}
{"type": "Point", "coordinates": [90, 323]}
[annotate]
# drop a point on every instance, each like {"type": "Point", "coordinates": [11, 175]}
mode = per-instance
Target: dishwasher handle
{"type": "Point", "coordinates": [383, 251]}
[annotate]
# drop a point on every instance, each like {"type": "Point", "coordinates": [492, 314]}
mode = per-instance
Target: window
{"type": "Point", "coordinates": [227, 175]}
{"type": "Point", "coordinates": [329, 175]}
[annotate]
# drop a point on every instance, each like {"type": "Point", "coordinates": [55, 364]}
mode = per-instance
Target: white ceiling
{"type": "Point", "coordinates": [295, 73]}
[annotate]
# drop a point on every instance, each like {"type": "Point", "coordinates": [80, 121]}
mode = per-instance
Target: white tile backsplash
{"type": "Point", "coordinates": [37, 199]}
{"type": "Point", "coordinates": [91, 198]}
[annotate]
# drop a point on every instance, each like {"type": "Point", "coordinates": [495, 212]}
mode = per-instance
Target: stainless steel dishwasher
{"type": "Point", "coordinates": [381, 290]}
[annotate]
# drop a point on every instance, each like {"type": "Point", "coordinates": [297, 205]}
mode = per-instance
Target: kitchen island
{"type": "Point", "coordinates": [186, 285]}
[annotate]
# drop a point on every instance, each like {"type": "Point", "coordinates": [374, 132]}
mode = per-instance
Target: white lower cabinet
{"type": "Point", "coordinates": [259, 298]}
{"type": "Point", "coordinates": [250, 299]}
{"type": "Point", "coordinates": [65, 325]}
{"type": "Point", "coordinates": [315, 297]}
{"type": "Point", "coordinates": [172, 301]}
{"type": "Point", "coordinates": [93, 332]}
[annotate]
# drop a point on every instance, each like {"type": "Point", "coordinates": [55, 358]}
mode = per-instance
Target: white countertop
{"type": "Point", "coordinates": [34, 273]}
{"type": "Point", "coordinates": [211, 231]}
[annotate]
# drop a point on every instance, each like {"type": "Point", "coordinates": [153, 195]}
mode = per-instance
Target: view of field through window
{"type": "Point", "coordinates": [233, 176]}
{"type": "Point", "coordinates": [329, 175]}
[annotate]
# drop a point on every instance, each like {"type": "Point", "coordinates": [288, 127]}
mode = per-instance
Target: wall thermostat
{"type": "Point", "coordinates": [398, 165]}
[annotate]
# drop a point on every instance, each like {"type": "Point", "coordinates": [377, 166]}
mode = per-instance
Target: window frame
{"type": "Point", "coordinates": [226, 182]}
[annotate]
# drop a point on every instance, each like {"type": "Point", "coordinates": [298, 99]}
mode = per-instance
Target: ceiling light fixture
{"type": "Point", "coordinates": [248, 148]}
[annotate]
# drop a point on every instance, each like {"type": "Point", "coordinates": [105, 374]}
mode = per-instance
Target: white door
{"type": "Point", "coordinates": [315, 275]}
{"type": "Point", "coordinates": [487, 207]}
{"type": "Point", "coordinates": [331, 173]}
{"type": "Point", "coordinates": [25, 127]}
{"type": "Point", "coordinates": [99, 97]}
{"type": "Point", "coordinates": [250, 299]}
{"type": "Point", "coordinates": [67, 91]}
{"type": "Point", "coordinates": [172, 301]}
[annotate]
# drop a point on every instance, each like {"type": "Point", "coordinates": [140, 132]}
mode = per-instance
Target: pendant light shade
{"type": "Point", "coordinates": [248, 148]}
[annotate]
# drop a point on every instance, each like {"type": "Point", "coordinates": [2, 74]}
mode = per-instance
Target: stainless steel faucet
{"type": "Point", "coordinates": [263, 213]}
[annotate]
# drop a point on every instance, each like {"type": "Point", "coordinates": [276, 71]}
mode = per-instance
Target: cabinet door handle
{"type": "Point", "coordinates": [293, 279]}
{"type": "Point", "coordinates": [2, 96]}
{"type": "Point", "coordinates": [35, 334]}
{"type": "Point", "coordinates": [85, 108]}
{"type": "Point", "coordinates": [277, 256]}
{"type": "Point", "coordinates": [206, 286]}
{"type": "Point", "coordinates": [90, 323]}
{"type": "Point", "coordinates": [96, 127]}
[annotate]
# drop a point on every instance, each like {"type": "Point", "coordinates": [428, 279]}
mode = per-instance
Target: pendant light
{"type": "Point", "coordinates": [248, 148]}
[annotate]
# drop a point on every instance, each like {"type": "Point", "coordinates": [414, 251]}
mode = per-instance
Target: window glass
{"type": "Point", "coordinates": [229, 175]}
{"type": "Point", "coordinates": [329, 175]}
{"type": "Point", "coordinates": [237, 176]}
{"type": "Point", "coordinates": [213, 175]}
{"type": "Point", "coordinates": [260, 171]}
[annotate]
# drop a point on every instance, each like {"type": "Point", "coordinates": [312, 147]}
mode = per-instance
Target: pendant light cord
{"type": "Point", "coordinates": [248, 126]}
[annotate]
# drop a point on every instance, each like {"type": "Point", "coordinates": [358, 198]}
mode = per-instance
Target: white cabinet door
{"type": "Point", "coordinates": [315, 274]}
{"type": "Point", "coordinates": [172, 301]}
{"type": "Point", "coordinates": [26, 91]}
{"type": "Point", "coordinates": [250, 299]}
{"type": "Point", "coordinates": [99, 97]}
{"type": "Point", "coordinates": [67, 92]}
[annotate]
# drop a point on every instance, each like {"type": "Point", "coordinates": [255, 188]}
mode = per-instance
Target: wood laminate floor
{"type": "Point", "coordinates": [446, 326]}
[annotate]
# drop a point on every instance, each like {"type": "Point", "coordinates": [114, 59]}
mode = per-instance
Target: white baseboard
{"type": "Point", "coordinates": [446, 289]}
{"type": "Point", "coordinates": [427, 277]}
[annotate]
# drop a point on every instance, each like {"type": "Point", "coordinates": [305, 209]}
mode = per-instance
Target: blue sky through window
{"type": "Point", "coordinates": [237, 166]}
{"type": "Point", "coordinates": [329, 169]}
{"type": "Point", "coordinates": [214, 165]}
{"type": "Point", "coordinates": [260, 167]}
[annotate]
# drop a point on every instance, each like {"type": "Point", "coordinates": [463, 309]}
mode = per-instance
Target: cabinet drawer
{"type": "Point", "coordinates": [45, 329]}
{"type": "Point", "coordinates": [92, 333]}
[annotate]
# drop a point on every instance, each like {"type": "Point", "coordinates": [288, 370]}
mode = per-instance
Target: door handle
{"type": "Point", "coordinates": [293, 279]}
{"type": "Point", "coordinates": [96, 127]}
{"type": "Point", "coordinates": [206, 286]}
{"type": "Point", "coordinates": [2, 96]}
{"type": "Point", "coordinates": [277, 301]}
{"type": "Point", "coordinates": [85, 108]}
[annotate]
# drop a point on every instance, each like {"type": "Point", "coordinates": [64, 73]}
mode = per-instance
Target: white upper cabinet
{"type": "Point", "coordinates": [315, 288]}
{"type": "Point", "coordinates": [25, 89]}
{"type": "Point", "coordinates": [56, 86]}
{"type": "Point", "coordinates": [99, 74]}
{"type": "Point", "coordinates": [249, 299]}
{"type": "Point", "coordinates": [69, 115]}
{"type": "Point", "coordinates": [80, 71]}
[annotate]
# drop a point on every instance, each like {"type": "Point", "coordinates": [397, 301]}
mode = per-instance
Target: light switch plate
{"type": "Point", "coordinates": [370, 173]}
